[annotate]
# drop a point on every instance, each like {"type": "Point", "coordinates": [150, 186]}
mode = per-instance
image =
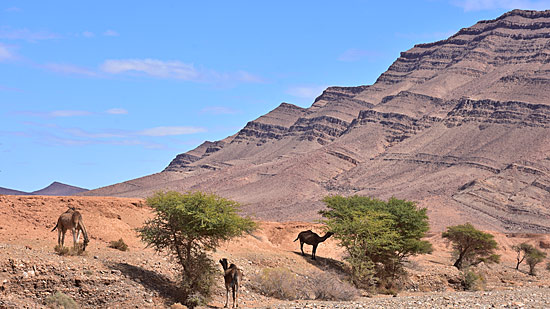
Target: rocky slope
{"type": "Point", "coordinates": [460, 125]}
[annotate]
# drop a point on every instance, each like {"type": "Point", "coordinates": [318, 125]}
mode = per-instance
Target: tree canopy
{"type": "Point", "coordinates": [471, 245]}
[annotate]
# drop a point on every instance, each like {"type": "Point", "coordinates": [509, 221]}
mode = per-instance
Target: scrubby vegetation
{"type": "Point", "coordinates": [378, 237]}
{"type": "Point", "coordinates": [60, 300]}
{"type": "Point", "coordinates": [283, 284]}
{"type": "Point", "coordinates": [188, 226]}
{"type": "Point", "coordinates": [534, 257]}
{"type": "Point", "coordinates": [522, 250]}
{"type": "Point", "coordinates": [71, 251]}
{"type": "Point", "coordinates": [472, 281]}
{"type": "Point", "coordinates": [471, 246]}
{"type": "Point", "coordinates": [119, 245]}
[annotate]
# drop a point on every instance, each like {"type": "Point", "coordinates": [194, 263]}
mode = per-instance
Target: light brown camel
{"type": "Point", "coordinates": [232, 276]}
{"type": "Point", "coordinates": [71, 219]}
{"type": "Point", "coordinates": [313, 239]}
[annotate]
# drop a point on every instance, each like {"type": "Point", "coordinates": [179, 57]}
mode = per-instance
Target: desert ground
{"type": "Point", "coordinates": [31, 271]}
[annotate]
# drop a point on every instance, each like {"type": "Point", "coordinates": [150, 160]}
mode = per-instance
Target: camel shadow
{"type": "Point", "coordinates": [325, 264]}
{"type": "Point", "coordinates": [151, 280]}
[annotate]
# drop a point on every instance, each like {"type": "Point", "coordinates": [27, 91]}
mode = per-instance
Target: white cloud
{"type": "Point", "coordinates": [308, 92]}
{"type": "Point", "coordinates": [166, 131]}
{"type": "Point", "coordinates": [88, 34]}
{"type": "Point", "coordinates": [26, 34]}
{"type": "Point", "coordinates": [5, 53]}
{"type": "Point", "coordinates": [152, 67]}
{"type": "Point", "coordinates": [69, 69]}
{"type": "Point", "coordinates": [117, 111]}
{"type": "Point", "coordinates": [110, 33]}
{"type": "Point", "coordinates": [478, 5]}
{"type": "Point", "coordinates": [174, 70]}
{"type": "Point", "coordinates": [218, 110]}
{"type": "Point", "coordinates": [354, 54]}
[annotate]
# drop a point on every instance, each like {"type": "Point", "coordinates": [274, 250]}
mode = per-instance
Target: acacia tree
{"type": "Point", "coordinates": [378, 235]}
{"type": "Point", "coordinates": [534, 257]}
{"type": "Point", "coordinates": [471, 246]}
{"type": "Point", "coordinates": [523, 248]}
{"type": "Point", "coordinates": [187, 226]}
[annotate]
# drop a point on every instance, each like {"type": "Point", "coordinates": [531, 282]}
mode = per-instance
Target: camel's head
{"type": "Point", "coordinates": [224, 263]}
{"type": "Point", "coordinates": [85, 244]}
{"type": "Point", "coordinates": [329, 234]}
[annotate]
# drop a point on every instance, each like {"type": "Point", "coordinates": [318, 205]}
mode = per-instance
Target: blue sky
{"type": "Point", "coordinates": [94, 93]}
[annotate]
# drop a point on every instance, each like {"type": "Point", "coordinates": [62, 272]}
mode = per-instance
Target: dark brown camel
{"type": "Point", "coordinates": [71, 220]}
{"type": "Point", "coordinates": [313, 239]}
{"type": "Point", "coordinates": [232, 276]}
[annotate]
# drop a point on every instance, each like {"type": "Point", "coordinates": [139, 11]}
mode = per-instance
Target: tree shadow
{"type": "Point", "coordinates": [325, 264]}
{"type": "Point", "coordinates": [166, 288]}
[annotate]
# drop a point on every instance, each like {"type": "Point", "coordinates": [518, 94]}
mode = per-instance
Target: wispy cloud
{"type": "Point", "coordinates": [9, 33]}
{"type": "Point", "coordinates": [110, 33]}
{"type": "Point", "coordinates": [69, 69]}
{"type": "Point", "coordinates": [5, 53]}
{"type": "Point", "coordinates": [117, 111]}
{"type": "Point", "coordinates": [174, 70]}
{"type": "Point", "coordinates": [355, 54]}
{"type": "Point", "coordinates": [6, 88]}
{"type": "Point", "coordinates": [218, 110]}
{"type": "Point", "coordinates": [479, 5]}
{"type": "Point", "coordinates": [88, 34]}
{"type": "Point", "coordinates": [307, 92]}
{"type": "Point", "coordinates": [167, 131]}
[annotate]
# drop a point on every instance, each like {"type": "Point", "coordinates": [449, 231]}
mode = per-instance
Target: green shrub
{"type": "Point", "coordinates": [119, 245]}
{"type": "Point", "coordinates": [280, 283]}
{"type": "Point", "coordinates": [534, 257]}
{"type": "Point", "coordinates": [472, 281]}
{"type": "Point", "coordinates": [377, 235]}
{"type": "Point", "coordinates": [60, 300]}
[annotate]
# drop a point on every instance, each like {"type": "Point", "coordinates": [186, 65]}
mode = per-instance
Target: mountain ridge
{"type": "Point", "coordinates": [444, 115]}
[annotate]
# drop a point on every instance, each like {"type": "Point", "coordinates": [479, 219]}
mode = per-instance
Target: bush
{"type": "Point", "coordinates": [71, 251]}
{"type": "Point", "coordinates": [472, 281]}
{"type": "Point", "coordinates": [378, 236]}
{"type": "Point", "coordinates": [326, 286]}
{"type": "Point", "coordinates": [60, 300]}
{"type": "Point", "coordinates": [119, 244]}
{"type": "Point", "coordinates": [187, 226]}
{"type": "Point", "coordinates": [471, 246]}
{"type": "Point", "coordinates": [280, 283]}
{"type": "Point", "coordinates": [522, 250]}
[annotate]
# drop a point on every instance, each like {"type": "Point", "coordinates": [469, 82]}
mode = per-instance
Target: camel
{"type": "Point", "coordinates": [71, 219]}
{"type": "Point", "coordinates": [232, 276]}
{"type": "Point", "coordinates": [313, 239]}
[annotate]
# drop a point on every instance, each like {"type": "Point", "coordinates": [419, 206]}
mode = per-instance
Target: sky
{"type": "Point", "coordinates": [94, 93]}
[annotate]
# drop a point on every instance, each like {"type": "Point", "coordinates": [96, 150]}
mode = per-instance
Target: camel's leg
{"type": "Point", "coordinates": [313, 252]}
{"type": "Point", "coordinates": [78, 230]}
{"type": "Point", "coordinates": [63, 238]}
{"type": "Point", "coordinates": [226, 297]}
{"type": "Point", "coordinates": [236, 296]}
{"type": "Point", "coordinates": [59, 243]}
{"type": "Point", "coordinates": [74, 236]}
{"type": "Point", "coordinates": [302, 247]}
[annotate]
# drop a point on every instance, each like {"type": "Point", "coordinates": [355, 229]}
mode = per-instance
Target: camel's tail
{"type": "Point", "coordinates": [55, 226]}
{"type": "Point", "coordinates": [297, 238]}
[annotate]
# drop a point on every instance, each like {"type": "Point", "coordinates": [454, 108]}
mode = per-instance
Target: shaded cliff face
{"type": "Point", "coordinates": [461, 125]}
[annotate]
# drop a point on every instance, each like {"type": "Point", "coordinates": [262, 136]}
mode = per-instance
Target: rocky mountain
{"type": "Point", "coordinates": [55, 188]}
{"type": "Point", "coordinates": [462, 126]}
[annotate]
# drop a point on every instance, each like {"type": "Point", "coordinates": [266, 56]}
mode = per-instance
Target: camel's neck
{"type": "Point", "coordinates": [325, 237]}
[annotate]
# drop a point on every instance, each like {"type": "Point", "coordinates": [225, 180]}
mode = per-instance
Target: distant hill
{"type": "Point", "coordinates": [56, 188]}
{"type": "Point", "coordinates": [12, 192]}
{"type": "Point", "coordinates": [461, 126]}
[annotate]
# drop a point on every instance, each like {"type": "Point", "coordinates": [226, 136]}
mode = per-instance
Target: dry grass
{"type": "Point", "coordinates": [280, 283]}
{"type": "Point", "coordinates": [327, 286]}
{"type": "Point", "coordinates": [72, 251]}
{"type": "Point", "coordinates": [119, 245]}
